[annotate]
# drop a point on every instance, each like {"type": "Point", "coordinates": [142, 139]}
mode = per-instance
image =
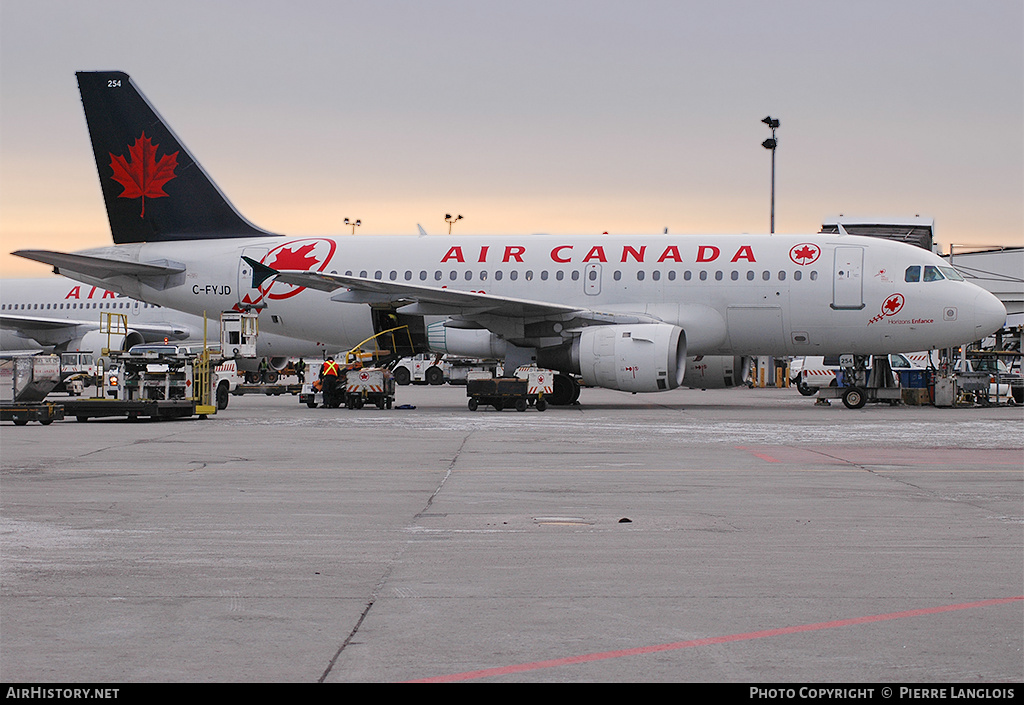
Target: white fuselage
{"type": "Point", "coordinates": [732, 294]}
{"type": "Point", "coordinates": [53, 312]}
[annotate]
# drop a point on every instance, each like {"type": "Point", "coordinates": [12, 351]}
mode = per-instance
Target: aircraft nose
{"type": "Point", "coordinates": [989, 314]}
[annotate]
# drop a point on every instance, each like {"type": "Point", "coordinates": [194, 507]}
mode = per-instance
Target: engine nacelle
{"type": "Point", "coordinates": [643, 357]}
{"type": "Point", "coordinates": [716, 371]}
{"type": "Point", "coordinates": [94, 341]}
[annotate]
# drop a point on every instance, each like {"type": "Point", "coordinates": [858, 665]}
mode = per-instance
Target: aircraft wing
{"type": "Point", "coordinates": [156, 274]}
{"type": "Point", "coordinates": [30, 323]}
{"type": "Point", "coordinates": [430, 300]}
{"type": "Point", "coordinates": [32, 326]}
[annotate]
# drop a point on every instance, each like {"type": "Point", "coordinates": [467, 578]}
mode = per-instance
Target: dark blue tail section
{"type": "Point", "coordinates": [154, 189]}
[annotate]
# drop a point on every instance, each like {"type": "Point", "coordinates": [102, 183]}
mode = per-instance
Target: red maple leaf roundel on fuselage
{"type": "Point", "coordinates": [804, 253]}
{"type": "Point", "coordinates": [892, 305]}
{"type": "Point", "coordinates": [145, 175]}
{"type": "Point", "coordinates": [298, 258]}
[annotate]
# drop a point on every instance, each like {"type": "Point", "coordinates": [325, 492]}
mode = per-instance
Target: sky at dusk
{"type": "Point", "coordinates": [528, 117]}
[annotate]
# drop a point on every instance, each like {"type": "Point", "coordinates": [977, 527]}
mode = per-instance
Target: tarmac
{"type": "Point", "coordinates": [727, 536]}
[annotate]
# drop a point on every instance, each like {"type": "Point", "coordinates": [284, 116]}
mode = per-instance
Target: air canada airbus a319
{"type": "Point", "coordinates": [622, 312]}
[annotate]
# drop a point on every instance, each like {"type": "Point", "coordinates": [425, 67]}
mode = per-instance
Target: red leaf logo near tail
{"type": "Point", "coordinates": [144, 175]}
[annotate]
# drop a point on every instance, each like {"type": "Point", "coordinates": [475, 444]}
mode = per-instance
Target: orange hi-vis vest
{"type": "Point", "coordinates": [331, 368]}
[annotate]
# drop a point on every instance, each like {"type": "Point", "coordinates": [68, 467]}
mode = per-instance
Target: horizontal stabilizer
{"type": "Point", "coordinates": [158, 276]}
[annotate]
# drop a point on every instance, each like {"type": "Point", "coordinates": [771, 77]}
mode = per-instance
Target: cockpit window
{"type": "Point", "coordinates": [913, 274]}
{"type": "Point", "coordinates": [951, 274]}
{"type": "Point", "coordinates": [932, 274]}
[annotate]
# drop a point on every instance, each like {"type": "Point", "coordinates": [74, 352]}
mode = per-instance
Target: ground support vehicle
{"type": "Point", "coordinates": [356, 389]}
{"type": "Point", "coordinates": [268, 389]}
{"type": "Point", "coordinates": [311, 395]}
{"type": "Point", "coordinates": [985, 378]}
{"type": "Point", "coordinates": [518, 392]}
{"type": "Point", "coordinates": [461, 368]}
{"type": "Point", "coordinates": [812, 373]}
{"type": "Point", "coordinates": [155, 381]}
{"type": "Point", "coordinates": [370, 385]}
{"type": "Point", "coordinates": [162, 409]}
{"type": "Point", "coordinates": [43, 412]}
{"type": "Point", "coordinates": [24, 383]}
{"type": "Point", "coordinates": [421, 369]}
{"type": "Point", "coordinates": [856, 387]}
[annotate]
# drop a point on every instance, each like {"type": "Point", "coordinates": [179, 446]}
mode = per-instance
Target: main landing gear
{"type": "Point", "coordinates": [566, 391]}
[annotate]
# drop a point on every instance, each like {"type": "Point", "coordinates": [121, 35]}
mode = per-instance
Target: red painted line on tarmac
{"type": "Point", "coordinates": [605, 655]}
{"type": "Point", "coordinates": [762, 456]}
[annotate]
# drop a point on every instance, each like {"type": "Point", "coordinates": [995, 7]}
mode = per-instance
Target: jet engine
{"type": "Point", "coordinates": [716, 371]}
{"type": "Point", "coordinates": [643, 357]}
{"type": "Point", "coordinates": [94, 341]}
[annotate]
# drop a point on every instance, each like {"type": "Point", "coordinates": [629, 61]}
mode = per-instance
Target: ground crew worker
{"type": "Point", "coordinates": [263, 370]}
{"type": "Point", "coordinates": [329, 375]}
{"type": "Point", "coordinates": [300, 370]}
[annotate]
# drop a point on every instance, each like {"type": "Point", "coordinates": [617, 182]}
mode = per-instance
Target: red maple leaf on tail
{"type": "Point", "coordinates": [144, 175]}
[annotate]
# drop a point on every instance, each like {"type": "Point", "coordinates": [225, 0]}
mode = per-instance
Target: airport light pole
{"type": "Point", "coordinates": [355, 224]}
{"type": "Point", "coordinates": [451, 221]}
{"type": "Point", "coordinates": [771, 143]}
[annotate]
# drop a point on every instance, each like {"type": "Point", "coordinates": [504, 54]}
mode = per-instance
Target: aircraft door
{"type": "Point", "coordinates": [592, 279]}
{"type": "Point", "coordinates": [848, 279]}
{"type": "Point", "coordinates": [248, 295]}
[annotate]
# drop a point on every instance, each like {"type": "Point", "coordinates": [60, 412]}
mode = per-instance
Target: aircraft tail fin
{"type": "Point", "coordinates": [153, 188]}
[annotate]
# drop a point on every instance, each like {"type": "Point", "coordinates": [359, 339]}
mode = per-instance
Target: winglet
{"type": "Point", "coordinates": [423, 233]}
{"type": "Point", "coordinates": [260, 272]}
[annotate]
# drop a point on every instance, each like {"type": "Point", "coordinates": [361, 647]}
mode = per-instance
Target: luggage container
{"type": "Point", "coordinates": [528, 388]}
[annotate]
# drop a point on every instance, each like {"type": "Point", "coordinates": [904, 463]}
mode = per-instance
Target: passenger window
{"type": "Point", "coordinates": [703, 275]}
{"type": "Point", "coordinates": [913, 274]}
{"type": "Point", "coordinates": [672, 275]}
{"type": "Point", "coordinates": [617, 275]}
{"type": "Point", "coordinates": [814, 276]}
{"type": "Point", "coordinates": [782, 275]}
{"type": "Point", "coordinates": [932, 274]}
{"type": "Point", "coordinates": [797, 275]}
{"type": "Point", "coordinates": [735, 275]}
{"type": "Point", "coordinates": [656, 275]}
{"type": "Point", "coordinates": [640, 275]}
